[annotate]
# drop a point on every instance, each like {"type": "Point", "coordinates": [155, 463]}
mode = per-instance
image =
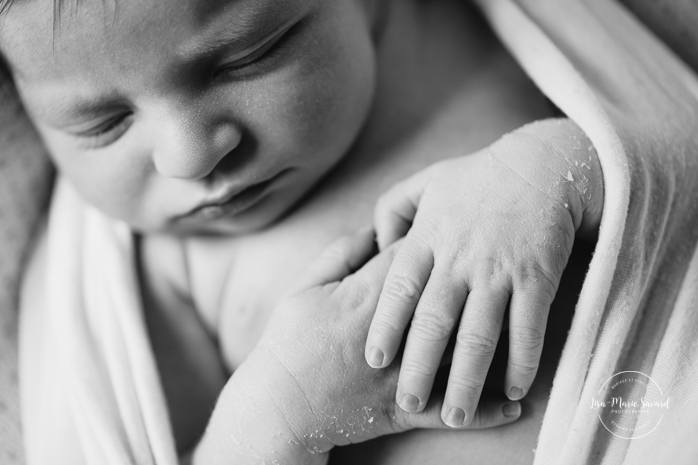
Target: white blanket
{"type": "Point", "coordinates": [97, 375]}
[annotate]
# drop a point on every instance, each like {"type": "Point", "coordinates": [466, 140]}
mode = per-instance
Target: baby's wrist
{"type": "Point", "coordinates": [249, 426]}
{"type": "Point", "coordinates": [563, 163]}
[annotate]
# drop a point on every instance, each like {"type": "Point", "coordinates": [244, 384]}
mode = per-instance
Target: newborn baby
{"type": "Point", "coordinates": [238, 138]}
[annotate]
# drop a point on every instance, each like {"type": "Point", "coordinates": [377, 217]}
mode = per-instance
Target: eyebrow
{"type": "Point", "coordinates": [208, 45]}
{"type": "Point", "coordinates": [222, 33]}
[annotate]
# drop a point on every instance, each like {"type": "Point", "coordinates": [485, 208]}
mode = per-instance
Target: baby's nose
{"type": "Point", "coordinates": [187, 150]}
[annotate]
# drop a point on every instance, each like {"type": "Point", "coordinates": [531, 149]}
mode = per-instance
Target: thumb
{"type": "Point", "coordinates": [490, 413]}
{"type": "Point", "coordinates": [396, 209]}
{"type": "Point", "coordinates": [338, 260]}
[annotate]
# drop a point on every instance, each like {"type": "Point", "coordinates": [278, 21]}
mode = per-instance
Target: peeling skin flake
{"type": "Point", "coordinates": [356, 425]}
{"type": "Point", "coordinates": [569, 176]}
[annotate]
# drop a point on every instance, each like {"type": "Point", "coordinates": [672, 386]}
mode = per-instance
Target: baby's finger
{"type": "Point", "coordinates": [433, 323]}
{"type": "Point", "coordinates": [490, 413]}
{"type": "Point", "coordinates": [528, 316]}
{"type": "Point", "coordinates": [337, 260]}
{"type": "Point", "coordinates": [476, 342]}
{"type": "Point", "coordinates": [396, 209]}
{"type": "Point", "coordinates": [373, 273]}
{"type": "Point", "coordinates": [402, 289]}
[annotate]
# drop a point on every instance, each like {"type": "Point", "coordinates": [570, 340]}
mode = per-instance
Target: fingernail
{"type": "Point", "coordinates": [376, 357]}
{"type": "Point", "coordinates": [455, 417]}
{"type": "Point", "coordinates": [516, 393]}
{"type": "Point", "coordinates": [512, 409]}
{"type": "Point", "coordinates": [409, 403]}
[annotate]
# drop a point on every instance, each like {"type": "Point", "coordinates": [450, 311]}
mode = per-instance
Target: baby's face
{"type": "Point", "coordinates": [193, 115]}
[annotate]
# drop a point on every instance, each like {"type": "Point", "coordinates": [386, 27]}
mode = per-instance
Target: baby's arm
{"type": "Point", "coordinates": [488, 231]}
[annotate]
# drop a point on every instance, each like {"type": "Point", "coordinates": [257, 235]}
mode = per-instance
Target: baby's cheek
{"type": "Point", "coordinates": [334, 91]}
{"type": "Point", "coordinates": [124, 193]}
{"type": "Point", "coordinates": [327, 110]}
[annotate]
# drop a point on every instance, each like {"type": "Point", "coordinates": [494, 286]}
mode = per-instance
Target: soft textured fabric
{"type": "Point", "coordinates": [99, 372]}
{"type": "Point", "coordinates": [637, 309]}
{"type": "Point", "coordinates": [25, 184]}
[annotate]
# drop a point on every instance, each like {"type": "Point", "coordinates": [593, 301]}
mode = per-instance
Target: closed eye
{"type": "Point", "coordinates": [105, 132]}
{"type": "Point", "coordinates": [256, 61]}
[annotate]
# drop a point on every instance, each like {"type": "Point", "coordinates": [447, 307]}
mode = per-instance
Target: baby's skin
{"type": "Point", "coordinates": [484, 233]}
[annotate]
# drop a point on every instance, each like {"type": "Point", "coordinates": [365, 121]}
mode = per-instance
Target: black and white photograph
{"type": "Point", "coordinates": [340, 232]}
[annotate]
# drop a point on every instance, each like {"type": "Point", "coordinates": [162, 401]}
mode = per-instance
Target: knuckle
{"type": "Point", "coordinates": [525, 339]}
{"type": "Point", "coordinates": [402, 289]}
{"type": "Point", "coordinates": [431, 326]}
{"type": "Point", "coordinates": [523, 369]}
{"type": "Point", "coordinates": [526, 345]}
{"type": "Point", "coordinates": [494, 272]}
{"type": "Point", "coordinates": [385, 328]}
{"type": "Point", "coordinates": [412, 368]}
{"type": "Point", "coordinates": [465, 386]}
{"type": "Point", "coordinates": [545, 280]}
{"type": "Point", "coordinates": [475, 344]}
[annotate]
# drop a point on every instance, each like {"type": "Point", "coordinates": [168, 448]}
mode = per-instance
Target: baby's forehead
{"type": "Point", "coordinates": [38, 35]}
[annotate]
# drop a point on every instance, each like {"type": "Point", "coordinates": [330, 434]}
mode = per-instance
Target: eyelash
{"type": "Point", "coordinates": [261, 63]}
{"type": "Point", "coordinates": [99, 135]}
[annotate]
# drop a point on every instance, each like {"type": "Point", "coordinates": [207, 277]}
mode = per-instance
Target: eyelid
{"type": "Point", "coordinates": [259, 48]}
{"type": "Point", "coordinates": [104, 123]}
{"type": "Point", "coordinates": [104, 133]}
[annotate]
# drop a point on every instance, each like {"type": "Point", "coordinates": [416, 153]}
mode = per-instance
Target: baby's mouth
{"type": "Point", "coordinates": [230, 203]}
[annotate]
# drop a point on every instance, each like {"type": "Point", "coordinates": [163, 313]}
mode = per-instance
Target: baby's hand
{"type": "Point", "coordinates": [487, 231]}
{"type": "Point", "coordinates": [304, 389]}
